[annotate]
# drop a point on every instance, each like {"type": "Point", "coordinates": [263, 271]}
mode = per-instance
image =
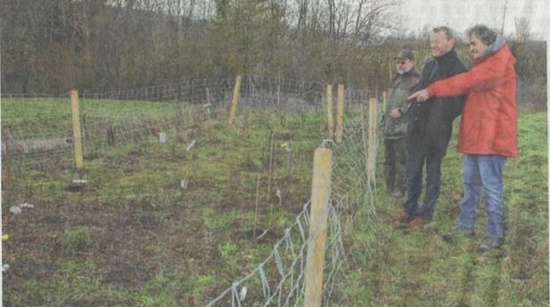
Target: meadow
{"type": "Point", "coordinates": [418, 268]}
{"type": "Point", "coordinates": [136, 236]}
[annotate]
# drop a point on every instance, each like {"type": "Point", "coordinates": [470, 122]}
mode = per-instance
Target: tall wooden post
{"type": "Point", "coordinates": [340, 114]}
{"type": "Point", "coordinates": [207, 103]}
{"type": "Point", "coordinates": [270, 174]}
{"type": "Point", "coordinates": [278, 102]}
{"type": "Point", "coordinates": [6, 180]}
{"type": "Point", "coordinates": [320, 193]}
{"type": "Point", "coordinates": [236, 93]}
{"type": "Point", "coordinates": [207, 92]}
{"type": "Point", "coordinates": [371, 163]}
{"type": "Point", "coordinates": [76, 130]}
{"type": "Point", "coordinates": [384, 102]}
{"type": "Point", "coordinates": [329, 111]}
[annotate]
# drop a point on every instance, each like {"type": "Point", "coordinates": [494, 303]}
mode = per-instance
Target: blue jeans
{"type": "Point", "coordinates": [483, 171]}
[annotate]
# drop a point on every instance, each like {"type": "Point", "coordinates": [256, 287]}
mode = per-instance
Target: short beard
{"type": "Point", "coordinates": [402, 71]}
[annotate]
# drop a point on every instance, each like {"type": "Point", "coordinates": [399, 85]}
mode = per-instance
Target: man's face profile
{"type": "Point", "coordinates": [440, 44]}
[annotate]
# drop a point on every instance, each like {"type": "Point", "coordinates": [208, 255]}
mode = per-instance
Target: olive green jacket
{"type": "Point", "coordinates": [398, 92]}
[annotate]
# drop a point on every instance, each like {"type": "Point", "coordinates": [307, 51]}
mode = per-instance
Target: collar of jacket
{"type": "Point", "coordinates": [444, 58]}
{"type": "Point", "coordinates": [411, 72]}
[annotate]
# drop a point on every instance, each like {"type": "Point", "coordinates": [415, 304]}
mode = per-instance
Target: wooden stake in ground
{"type": "Point", "coordinates": [320, 193]}
{"type": "Point", "coordinates": [371, 163]}
{"type": "Point", "coordinates": [278, 102]}
{"type": "Point", "coordinates": [270, 172]}
{"type": "Point", "coordinates": [6, 165]}
{"type": "Point", "coordinates": [364, 131]}
{"type": "Point", "coordinates": [340, 114]}
{"type": "Point", "coordinates": [329, 111]}
{"type": "Point", "coordinates": [384, 101]}
{"type": "Point", "coordinates": [207, 103]}
{"type": "Point", "coordinates": [76, 131]}
{"type": "Point", "coordinates": [236, 93]}
{"type": "Point", "coordinates": [256, 206]}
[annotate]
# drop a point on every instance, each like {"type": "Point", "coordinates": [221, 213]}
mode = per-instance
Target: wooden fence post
{"type": "Point", "coordinates": [236, 93]}
{"type": "Point", "coordinates": [329, 111]}
{"type": "Point", "coordinates": [384, 102]}
{"type": "Point", "coordinates": [208, 103]}
{"type": "Point", "coordinates": [320, 193]}
{"type": "Point", "coordinates": [371, 163]}
{"type": "Point", "coordinates": [7, 165]}
{"type": "Point", "coordinates": [278, 103]}
{"type": "Point", "coordinates": [76, 130]}
{"type": "Point", "coordinates": [340, 114]}
{"type": "Point", "coordinates": [270, 171]}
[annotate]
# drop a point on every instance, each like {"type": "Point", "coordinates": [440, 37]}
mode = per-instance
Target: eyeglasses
{"type": "Point", "coordinates": [402, 62]}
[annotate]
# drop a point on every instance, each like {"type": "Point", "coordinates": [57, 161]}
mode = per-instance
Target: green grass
{"type": "Point", "coordinates": [417, 268]}
{"type": "Point", "coordinates": [46, 116]}
{"type": "Point", "coordinates": [152, 242]}
{"type": "Point", "coordinates": [134, 237]}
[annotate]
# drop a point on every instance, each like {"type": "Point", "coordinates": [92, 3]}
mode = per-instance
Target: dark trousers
{"type": "Point", "coordinates": [417, 157]}
{"type": "Point", "coordinates": [395, 161]}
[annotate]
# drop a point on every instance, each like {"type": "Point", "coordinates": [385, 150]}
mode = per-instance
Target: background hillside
{"type": "Point", "coordinates": [51, 47]}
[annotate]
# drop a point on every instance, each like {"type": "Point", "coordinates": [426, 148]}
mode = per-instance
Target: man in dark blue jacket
{"type": "Point", "coordinates": [430, 129]}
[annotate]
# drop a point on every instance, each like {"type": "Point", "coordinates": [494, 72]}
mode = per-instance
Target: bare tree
{"type": "Point", "coordinates": [523, 29]}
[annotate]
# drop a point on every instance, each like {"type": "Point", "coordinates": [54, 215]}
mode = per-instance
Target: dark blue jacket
{"type": "Point", "coordinates": [432, 121]}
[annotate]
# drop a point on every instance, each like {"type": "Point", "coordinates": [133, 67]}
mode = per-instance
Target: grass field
{"type": "Point", "coordinates": [52, 116]}
{"type": "Point", "coordinates": [135, 237]}
{"type": "Point", "coordinates": [417, 268]}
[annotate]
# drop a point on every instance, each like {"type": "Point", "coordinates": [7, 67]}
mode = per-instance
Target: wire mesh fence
{"type": "Point", "coordinates": [37, 129]}
{"type": "Point", "coordinates": [37, 136]}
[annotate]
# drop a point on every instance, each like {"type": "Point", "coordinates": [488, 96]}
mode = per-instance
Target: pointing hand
{"type": "Point", "coordinates": [420, 96]}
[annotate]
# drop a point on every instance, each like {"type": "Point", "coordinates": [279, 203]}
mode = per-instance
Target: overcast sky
{"type": "Point", "coordinates": [462, 14]}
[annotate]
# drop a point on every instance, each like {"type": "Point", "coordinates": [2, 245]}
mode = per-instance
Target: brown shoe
{"type": "Point", "coordinates": [404, 218]}
{"type": "Point", "coordinates": [418, 222]}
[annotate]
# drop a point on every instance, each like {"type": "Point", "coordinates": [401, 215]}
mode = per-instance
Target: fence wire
{"type": "Point", "coordinates": [350, 188]}
{"type": "Point", "coordinates": [144, 114]}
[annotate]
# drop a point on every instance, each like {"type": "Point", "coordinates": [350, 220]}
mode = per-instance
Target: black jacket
{"type": "Point", "coordinates": [432, 121]}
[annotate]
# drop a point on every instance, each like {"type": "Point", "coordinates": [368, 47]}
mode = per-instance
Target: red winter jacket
{"type": "Point", "coordinates": [489, 118]}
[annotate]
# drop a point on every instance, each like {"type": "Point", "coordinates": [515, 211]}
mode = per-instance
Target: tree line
{"type": "Point", "coordinates": [53, 46]}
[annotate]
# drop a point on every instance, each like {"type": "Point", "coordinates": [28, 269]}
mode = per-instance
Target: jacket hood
{"type": "Point", "coordinates": [495, 46]}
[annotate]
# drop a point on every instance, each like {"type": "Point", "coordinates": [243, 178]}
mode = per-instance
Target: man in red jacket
{"type": "Point", "coordinates": [488, 129]}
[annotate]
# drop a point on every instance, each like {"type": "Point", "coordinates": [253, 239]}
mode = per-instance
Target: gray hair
{"type": "Point", "coordinates": [486, 35]}
{"type": "Point", "coordinates": [449, 33]}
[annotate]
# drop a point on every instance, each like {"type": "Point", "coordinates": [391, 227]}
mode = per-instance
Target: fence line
{"type": "Point", "coordinates": [180, 106]}
{"type": "Point", "coordinates": [350, 188]}
{"type": "Point", "coordinates": [177, 105]}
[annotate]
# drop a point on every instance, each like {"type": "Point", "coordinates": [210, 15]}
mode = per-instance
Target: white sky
{"type": "Point", "coordinates": [462, 14]}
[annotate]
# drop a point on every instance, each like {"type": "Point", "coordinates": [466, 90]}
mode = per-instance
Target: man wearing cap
{"type": "Point", "coordinates": [394, 123]}
{"type": "Point", "coordinates": [430, 129]}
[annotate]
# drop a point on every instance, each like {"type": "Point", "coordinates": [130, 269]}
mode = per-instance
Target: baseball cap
{"type": "Point", "coordinates": [405, 54]}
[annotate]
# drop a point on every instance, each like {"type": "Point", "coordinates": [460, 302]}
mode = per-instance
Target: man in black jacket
{"type": "Point", "coordinates": [430, 129]}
